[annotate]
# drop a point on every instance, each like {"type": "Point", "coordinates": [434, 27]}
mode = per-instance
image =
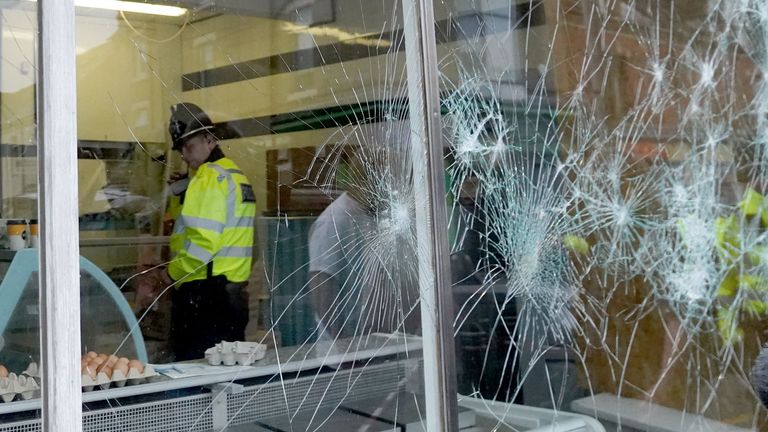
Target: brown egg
{"type": "Point", "coordinates": [112, 360]}
{"type": "Point", "coordinates": [91, 372]}
{"type": "Point", "coordinates": [3, 371]}
{"type": "Point", "coordinates": [102, 356]}
{"type": "Point", "coordinates": [122, 367]}
{"type": "Point", "coordinates": [135, 364]}
{"type": "Point", "coordinates": [97, 361]}
{"type": "Point", "coordinates": [91, 354]}
{"type": "Point", "coordinates": [122, 360]}
{"type": "Point", "coordinates": [107, 370]}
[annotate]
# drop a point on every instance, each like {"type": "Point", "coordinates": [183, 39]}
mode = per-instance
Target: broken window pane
{"type": "Point", "coordinates": [607, 187]}
{"type": "Point", "coordinates": [251, 196]}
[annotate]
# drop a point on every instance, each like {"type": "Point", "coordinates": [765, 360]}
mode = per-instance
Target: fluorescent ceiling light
{"type": "Point", "coordinates": [135, 7]}
{"type": "Point", "coordinates": [367, 39]}
{"type": "Point", "coordinates": [125, 6]}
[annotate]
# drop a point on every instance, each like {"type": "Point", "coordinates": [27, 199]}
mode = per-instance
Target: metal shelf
{"type": "Point", "coordinates": [7, 254]}
{"type": "Point", "coordinates": [126, 241]}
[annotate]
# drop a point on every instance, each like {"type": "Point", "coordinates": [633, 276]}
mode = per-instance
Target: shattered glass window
{"type": "Point", "coordinates": [607, 177]}
{"type": "Point", "coordinates": [253, 252]}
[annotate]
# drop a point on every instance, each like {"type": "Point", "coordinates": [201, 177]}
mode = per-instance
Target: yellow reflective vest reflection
{"type": "Point", "coordinates": [215, 225]}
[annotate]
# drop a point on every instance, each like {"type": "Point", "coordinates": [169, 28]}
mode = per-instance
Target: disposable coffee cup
{"type": "Point", "coordinates": [34, 238]}
{"type": "Point", "coordinates": [17, 234]}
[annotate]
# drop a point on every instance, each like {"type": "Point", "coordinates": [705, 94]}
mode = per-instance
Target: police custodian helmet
{"type": "Point", "coordinates": [187, 119]}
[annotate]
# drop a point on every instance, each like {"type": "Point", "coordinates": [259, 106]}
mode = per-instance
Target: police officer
{"type": "Point", "coordinates": [212, 239]}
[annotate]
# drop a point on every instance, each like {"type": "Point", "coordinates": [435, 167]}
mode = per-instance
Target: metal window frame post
{"type": "Point", "coordinates": [57, 212]}
{"type": "Point", "coordinates": [431, 216]}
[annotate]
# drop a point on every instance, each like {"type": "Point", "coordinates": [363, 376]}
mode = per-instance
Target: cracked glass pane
{"type": "Point", "coordinates": [607, 179]}
{"type": "Point", "coordinates": [249, 185]}
{"type": "Point", "coordinates": [246, 188]}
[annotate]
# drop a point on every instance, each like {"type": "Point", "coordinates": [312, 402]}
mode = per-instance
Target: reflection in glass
{"type": "Point", "coordinates": [605, 166]}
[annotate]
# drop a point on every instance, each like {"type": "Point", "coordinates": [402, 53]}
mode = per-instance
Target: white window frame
{"type": "Point", "coordinates": [58, 218]}
{"type": "Point", "coordinates": [435, 293]}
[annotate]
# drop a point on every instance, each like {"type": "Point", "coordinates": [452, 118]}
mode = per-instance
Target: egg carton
{"type": "Point", "coordinates": [32, 370]}
{"type": "Point", "coordinates": [102, 381]}
{"type": "Point", "coordinates": [17, 385]}
{"type": "Point", "coordinates": [231, 353]}
{"type": "Point", "coordinates": [118, 378]}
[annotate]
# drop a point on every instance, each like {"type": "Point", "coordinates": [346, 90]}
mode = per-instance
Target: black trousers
{"type": "Point", "coordinates": [206, 312]}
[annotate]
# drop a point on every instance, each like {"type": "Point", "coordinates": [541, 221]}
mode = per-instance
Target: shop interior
{"type": "Point", "coordinates": [292, 86]}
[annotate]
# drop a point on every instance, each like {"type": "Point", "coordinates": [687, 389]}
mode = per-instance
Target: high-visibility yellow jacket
{"type": "Point", "coordinates": [215, 225]}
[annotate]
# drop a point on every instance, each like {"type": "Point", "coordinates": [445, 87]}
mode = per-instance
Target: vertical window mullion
{"type": "Point", "coordinates": [58, 211]}
{"type": "Point", "coordinates": [431, 216]}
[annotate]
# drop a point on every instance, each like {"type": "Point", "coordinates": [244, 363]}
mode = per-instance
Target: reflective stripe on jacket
{"type": "Point", "coordinates": [216, 224]}
{"type": "Point", "coordinates": [174, 211]}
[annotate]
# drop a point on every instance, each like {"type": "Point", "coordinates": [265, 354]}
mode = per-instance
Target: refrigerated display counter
{"type": "Point", "coordinates": [108, 323]}
{"type": "Point", "coordinates": [202, 397]}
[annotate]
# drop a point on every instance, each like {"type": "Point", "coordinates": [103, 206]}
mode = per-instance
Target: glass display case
{"type": "Point", "coordinates": [108, 323]}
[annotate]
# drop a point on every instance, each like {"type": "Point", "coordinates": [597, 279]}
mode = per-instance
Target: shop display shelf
{"type": "Point", "coordinates": [284, 361]}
